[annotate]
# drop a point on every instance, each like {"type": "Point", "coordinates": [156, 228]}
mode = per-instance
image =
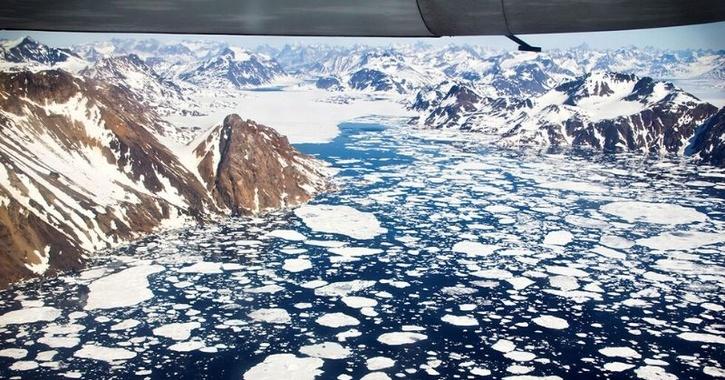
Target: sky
{"type": "Point", "coordinates": [705, 36]}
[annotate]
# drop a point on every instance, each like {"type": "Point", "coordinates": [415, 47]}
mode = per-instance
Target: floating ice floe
{"type": "Point", "coordinates": [702, 337]}
{"type": "Point", "coordinates": [187, 346]}
{"type": "Point", "coordinates": [176, 331]}
{"type": "Point", "coordinates": [504, 345]}
{"type": "Point", "coordinates": [343, 220]}
{"type": "Point", "coordinates": [620, 352]}
{"type": "Point", "coordinates": [459, 320]}
{"type": "Point", "coordinates": [357, 302]}
{"type": "Point", "coordinates": [29, 315]}
{"type": "Point", "coordinates": [682, 240]}
{"type": "Point", "coordinates": [520, 283]}
{"type": "Point", "coordinates": [274, 315]}
{"type": "Point", "coordinates": [376, 376]}
{"type": "Point", "coordinates": [352, 252]}
{"type": "Point", "coordinates": [337, 320]}
{"type": "Point", "coordinates": [326, 350]}
{"type": "Point", "coordinates": [474, 248]}
{"type": "Point", "coordinates": [106, 354]}
{"type": "Point", "coordinates": [297, 265]}
{"type": "Point", "coordinates": [13, 353]}
{"type": "Point", "coordinates": [285, 366]}
{"type": "Point", "coordinates": [203, 267]}
{"type": "Point", "coordinates": [290, 235]}
{"type": "Point", "coordinates": [125, 325]}
{"type": "Point", "coordinates": [400, 338]}
{"type": "Point", "coordinates": [551, 322]}
{"type": "Point", "coordinates": [617, 367]}
{"type": "Point", "coordinates": [379, 362]}
{"type": "Point", "coordinates": [558, 238]}
{"type": "Point", "coordinates": [125, 288]}
{"type": "Point", "coordinates": [343, 288]}
{"type": "Point", "coordinates": [493, 274]}
{"type": "Point", "coordinates": [651, 372]}
{"type": "Point", "coordinates": [657, 213]}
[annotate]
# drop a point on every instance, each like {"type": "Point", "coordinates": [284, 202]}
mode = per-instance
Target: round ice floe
{"type": "Point", "coordinates": [176, 331]}
{"type": "Point", "coordinates": [187, 346]}
{"type": "Point", "coordinates": [336, 320]}
{"type": "Point", "coordinates": [285, 366]}
{"type": "Point", "coordinates": [551, 322]}
{"type": "Point", "coordinates": [520, 356]}
{"type": "Point", "coordinates": [658, 213]}
{"type": "Point", "coordinates": [493, 274]}
{"type": "Point", "coordinates": [273, 315]}
{"type": "Point", "coordinates": [379, 362]}
{"type": "Point", "coordinates": [376, 376]}
{"type": "Point", "coordinates": [326, 350]}
{"type": "Point", "coordinates": [59, 341]}
{"type": "Point", "coordinates": [343, 220]}
{"type": "Point", "coordinates": [620, 352]}
{"type": "Point", "coordinates": [478, 371]}
{"type": "Point", "coordinates": [650, 372]}
{"type": "Point", "coordinates": [125, 288]}
{"type": "Point", "coordinates": [106, 354]}
{"type": "Point", "coordinates": [473, 248]}
{"type": "Point", "coordinates": [296, 265]}
{"type": "Point", "coordinates": [504, 345]}
{"type": "Point", "coordinates": [125, 325]}
{"type": "Point", "coordinates": [681, 240]}
{"type": "Point", "coordinates": [615, 242]}
{"type": "Point", "coordinates": [617, 366]}
{"type": "Point", "coordinates": [24, 365]}
{"type": "Point", "coordinates": [356, 302]}
{"type": "Point", "coordinates": [400, 338]}
{"type": "Point", "coordinates": [343, 288]}
{"type": "Point", "coordinates": [13, 353]}
{"type": "Point", "coordinates": [459, 320]}
{"type": "Point", "coordinates": [29, 315]}
{"type": "Point", "coordinates": [558, 238]}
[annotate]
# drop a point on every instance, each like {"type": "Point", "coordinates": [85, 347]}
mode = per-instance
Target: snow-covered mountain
{"type": "Point", "coordinates": [28, 54]}
{"type": "Point", "coordinates": [234, 68]}
{"type": "Point", "coordinates": [130, 72]}
{"type": "Point", "coordinates": [602, 110]}
{"type": "Point", "coordinates": [82, 168]}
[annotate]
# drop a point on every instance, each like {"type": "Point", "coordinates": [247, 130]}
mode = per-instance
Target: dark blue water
{"type": "Point", "coordinates": [430, 191]}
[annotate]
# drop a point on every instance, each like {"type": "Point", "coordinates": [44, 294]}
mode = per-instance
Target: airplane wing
{"type": "Point", "coordinates": [389, 18]}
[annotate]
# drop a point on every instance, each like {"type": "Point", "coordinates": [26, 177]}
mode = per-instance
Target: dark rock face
{"type": "Point", "coordinates": [708, 143]}
{"type": "Point", "coordinates": [368, 79]}
{"type": "Point", "coordinates": [30, 50]}
{"type": "Point", "coordinates": [81, 169]}
{"type": "Point", "coordinates": [256, 168]}
{"type": "Point", "coordinates": [328, 83]}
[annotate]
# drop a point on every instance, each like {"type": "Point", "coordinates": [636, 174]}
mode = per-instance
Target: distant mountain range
{"type": "Point", "coordinates": [606, 111]}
